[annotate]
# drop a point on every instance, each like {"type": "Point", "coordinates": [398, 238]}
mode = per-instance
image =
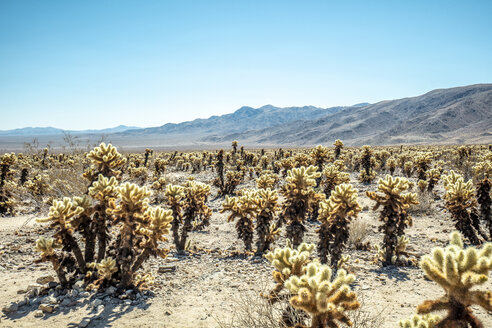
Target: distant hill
{"type": "Point", "coordinates": [30, 131]}
{"type": "Point", "coordinates": [243, 119]}
{"type": "Point", "coordinates": [456, 115]}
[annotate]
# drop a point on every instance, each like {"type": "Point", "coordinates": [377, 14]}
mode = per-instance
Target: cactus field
{"type": "Point", "coordinates": [329, 236]}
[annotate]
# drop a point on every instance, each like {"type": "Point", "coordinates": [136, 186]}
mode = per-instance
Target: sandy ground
{"type": "Point", "coordinates": [209, 288]}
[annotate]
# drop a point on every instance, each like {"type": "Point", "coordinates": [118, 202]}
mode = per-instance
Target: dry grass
{"type": "Point", "coordinates": [359, 229]}
{"type": "Point", "coordinates": [250, 310]}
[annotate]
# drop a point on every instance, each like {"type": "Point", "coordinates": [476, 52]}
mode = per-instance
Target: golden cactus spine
{"type": "Point", "coordinates": [335, 215]}
{"type": "Point", "coordinates": [326, 300]}
{"type": "Point", "coordinates": [394, 214]}
{"type": "Point", "coordinates": [457, 270]}
{"type": "Point", "coordinates": [460, 201]}
{"type": "Point", "coordinates": [300, 195]}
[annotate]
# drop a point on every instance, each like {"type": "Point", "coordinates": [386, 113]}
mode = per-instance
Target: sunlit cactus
{"type": "Point", "coordinates": [320, 155]}
{"type": "Point", "coordinates": [450, 179]}
{"type": "Point", "coordinates": [433, 176]}
{"type": "Point", "coordinates": [338, 148]}
{"type": "Point", "coordinates": [335, 215]}
{"type": "Point", "coordinates": [106, 160]}
{"type": "Point", "coordinates": [332, 177]}
{"type": "Point", "coordinates": [288, 261]}
{"type": "Point", "coordinates": [156, 226]}
{"type": "Point", "coordinates": [422, 163]}
{"type": "Point", "coordinates": [420, 321]}
{"type": "Point", "coordinates": [367, 173]}
{"type": "Point", "coordinates": [483, 174]}
{"type": "Point", "coordinates": [265, 228]}
{"type": "Point", "coordinates": [267, 180]}
{"type": "Point", "coordinates": [461, 202]}
{"type": "Point", "coordinates": [326, 300]}
{"type": "Point", "coordinates": [106, 268]}
{"type": "Point", "coordinates": [60, 216]}
{"type": "Point", "coordinates": [299, 194]}
{"type": "Point", "coordinates": [189, 210]}
{"type": "Point", "coordinates": [457, 270]}
{"type": "Point", "coordinates": [244, 208]}
{"type": "Point", "coordinates": [394, 214]}
{"type": "Point", "coordinates": [47, 246]}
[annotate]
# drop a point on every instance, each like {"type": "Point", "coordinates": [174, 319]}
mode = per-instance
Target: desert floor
{"type": "Point", "coordinates": [216, 285]}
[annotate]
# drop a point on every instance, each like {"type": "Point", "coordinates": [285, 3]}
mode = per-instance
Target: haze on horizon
{"type": "Point", "coordinates": [98, 64]}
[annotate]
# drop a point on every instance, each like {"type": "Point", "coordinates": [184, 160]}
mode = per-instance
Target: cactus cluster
{"type": "Point", "coordinates": [299, 196]}
{"type": "Point", "coordinates": [335, 215]}
{"type": "Point", "coordinates": [118, 217]}
{"type": "Point", "coordinates": [394, 215]}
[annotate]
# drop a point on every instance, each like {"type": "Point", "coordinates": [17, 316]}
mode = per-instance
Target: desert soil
{"type": "Point", "coordinates": [208, 287]}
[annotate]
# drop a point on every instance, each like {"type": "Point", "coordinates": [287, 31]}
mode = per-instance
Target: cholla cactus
{"type": "Point", "coordinates": [175, 199]}
{"type": "Point", "coordinates": [420, 321]}
{"type": "Point", "coordinates": [128, 210]}
{"type": "Point", "coordinates": [60, 216]}
{"type": "Point", "coordinates": [367, 174]}
{"type": "Point", "coordinates": [332, 177]}
{"type": "Point", "coordinates": [335, 215]}
{"type": "Point", "coordinates": [267, 180]}
{"type": "Point", "coordinates": [244, 208]}
{"type": "Point", "coordinates": [300, 195]}
{"type": "Point", "coordinates": [320, 155]}
{"type": "Point", "coordinates": [326, 300]}
{"type": "Point", "coordinates": [391, 163]}
{"type": "Point", "coordinates": [288, 261]}
{"type": "Point", "coordinates": [6, 201]}
{"type": "Point", "coordinates": [483, 173]}
{"type": "Point", "coordinates": [106, 161]}
{"type": "Point", "coordinates": [461, 202]}
{"type": "Point", "coordinates": [47, 246]}
{"type": "Point", "coordinates": [394, 215]}
{"type": "Point", "coordinates": [457, 271]}
{"type": "Point", "coordinates": [156, 226]}
{"type": "Point", "coordinates": [266, 230]}
{"type": "Point", "coordinates": [338, 148]}
{"type": "Point", "coordinates": [103, 190]}
{"type": "Point", "coordinates": [189, 210]}
{"type": "Point", "coordinates": [433, 176]}
{"type": "Point", "coordinates": [422, 161]}
{"type": "Point", "coordinates": [450, 179]}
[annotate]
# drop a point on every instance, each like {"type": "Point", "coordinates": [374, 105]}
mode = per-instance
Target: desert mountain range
{"type": "Point", "coordinates": [443, 116]}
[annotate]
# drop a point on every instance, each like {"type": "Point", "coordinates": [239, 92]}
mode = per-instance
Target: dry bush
{"type": "Point", "coordinates": [359, 230]}
{"type": "Point", "coordinates": [250, 310]}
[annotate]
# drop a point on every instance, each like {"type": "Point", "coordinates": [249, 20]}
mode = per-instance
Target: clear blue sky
{"type": "Point", "coordinates": [97, 64]}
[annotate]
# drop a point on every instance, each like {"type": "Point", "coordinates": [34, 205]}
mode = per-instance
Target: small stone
{"type": "Point", "coordinates": [13, 307]}
{"type": "Point", "coordinates": [79, 285]}
{"type": "Point", "coordinates": [96, 302]}
{"type": "Point", "coordinates": [84, 294]}
{"type": "Point", "coordinates": [49, 300]}
{"type": "Point", "coordinates": [21, 291]}
{"type": "Point", "coordinates": [45, 280]}
{"type": "Point", "coordinates": [38, 314]}
{"type": "Point", "coordinates": [166, 268]}
{"type": "Point", "coordinates": [52, 284]}
{"type": "Point", "coordinates": [65, 302]}
{"type": "Point", "coordinates": [85, 322]}
{"type": "Point", "coordinates": [110, 290]}
{"type": "Point", "coordinates": [167, 313]}
{"type": "Point", "coordinates": [46, 308]}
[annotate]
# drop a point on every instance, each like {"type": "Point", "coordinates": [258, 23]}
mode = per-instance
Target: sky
{"type": "Point", "coordinates": [97, 63]}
